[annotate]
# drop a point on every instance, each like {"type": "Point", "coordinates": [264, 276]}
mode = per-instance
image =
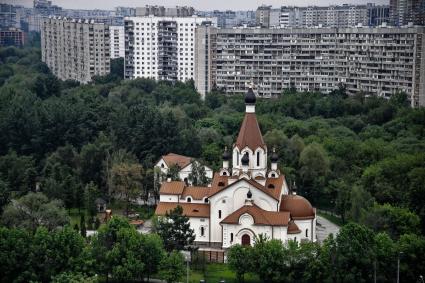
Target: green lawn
{"type": "Point", "coordinates": [216, 272]}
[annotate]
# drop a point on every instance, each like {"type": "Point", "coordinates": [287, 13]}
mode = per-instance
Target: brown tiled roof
{"type": "Point", "coordinates": [261, 217]}
{"type": "Point", "coordinates": [172, 188]}
{"type": "Point", "coordinates": [189, 209]}
{"type": "Point", "coordinates": [197, 193]}
{"type": "Point", "coordinates": [176, 159]}
{"type": "Point", "coordinates": [273, 192]}
{"type": "Point", "coordinates": [293, 228]}
{"type": "Point", "coordinates": [216, 181]}
{"type": "Point", "coordinates": [250, 134]}
{"type": "Point", "coordinates": [299, 207]}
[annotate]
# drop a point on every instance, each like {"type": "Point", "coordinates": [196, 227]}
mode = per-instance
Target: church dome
{"type": "Point", "coordinates": [250, 97]}
{"type": "Point", "coordinates": [274, 157]}
{"type": "Point", "coordinates": [297, 206]}
{"type": "Point", "coordinates": [226, 155]}
{"type": "Point", "coordinates": [245, 159]}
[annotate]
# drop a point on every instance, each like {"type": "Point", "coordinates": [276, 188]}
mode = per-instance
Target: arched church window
{"type": "Point", "coordinates": [219, 214]}
{"type": "Point", "coordinates": [224, 173]}
{"type": "Point", "coordinates": [206, 200]}
{"type": "Point", "coordinates": [186, 181]}
{"type": "Point", "coordinates": [162, 165]}
{"type": "Point", "coordinates": [306, 233]}
{"type": "Point", "coordinates": [237, 157]}
{"type": "Point", "coordinates": [231, 237]}
{"type": "Point", "coordinates": [189, 199]}
{"type": "Point", "coordinates": [202, 231]}
{"type": "Point", "coordinates": [273, 175]}
{"type": "Point", "coordinates": [258, 159]}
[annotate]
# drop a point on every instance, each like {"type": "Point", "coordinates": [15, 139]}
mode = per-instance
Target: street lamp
{"type": "Point", "coordinates": [398, 266]}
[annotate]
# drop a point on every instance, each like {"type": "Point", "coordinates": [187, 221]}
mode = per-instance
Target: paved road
{"type": "Point", "coordinates": [324, 227]}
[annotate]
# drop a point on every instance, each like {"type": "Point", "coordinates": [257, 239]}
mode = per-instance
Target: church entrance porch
{"type": "Point", "coordinates": [246, 240]}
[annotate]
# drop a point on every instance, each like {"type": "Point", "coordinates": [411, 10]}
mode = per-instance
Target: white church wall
{"type": "Point", "coordinates": [168, 198]}
{"type": "Point", "coordinates": [246, 227]}
{"type": "Point", "coordinates": [234, 198]}
{"type": "Point", "coordinates": [197, 224]}
{"type": "Point", "coordinates": [306, 225]}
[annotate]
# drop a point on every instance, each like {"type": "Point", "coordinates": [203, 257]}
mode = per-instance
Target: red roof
{"type": "Point", "coordinates": [299, 207]}
{"type": "Point", "coordinates": [197, 193]}
{"type": "Point", "coordinates": [172, 188]}
{"type": "Point", "coordinates": [293, 228]}
{"type": "Point", "coordinates": [189, 209]}
{"type": "Point", "coordinates": [250, 134]}
{"type": "Point", "coordinates": [261, 217]}
{"type": "Point", "coordinates": [176, 159]}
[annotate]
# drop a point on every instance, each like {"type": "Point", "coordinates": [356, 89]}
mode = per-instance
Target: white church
{"type": "Point", "coordinates": [245, 198]}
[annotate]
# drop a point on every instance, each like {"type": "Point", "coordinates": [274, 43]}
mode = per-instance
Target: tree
{"type": "Point", "coordinates": [355, 253]}
{"type": "Point", "coordinates": [386, 254]}
{"type": "Point", "coordinates": [55, 252]}
{"type": "Point", "coordinates": [174, 229]}
{"type": "Point", "coordinates": [172, 267]}
{"type": "Point", "coordinates": [396, 221]}
{"type": "Point", "coordinates": [127, 179]}
{"type": "Point", "coordinates": [342, 203]}
{"type": "Point", "coordinates": [34, 210]}
{"type": "Point", "coordinates": [198, 176]}
{"type": "Point", "coordinates": [239, 260]}
{"type": "Point", "coordinates": [173, 172]}
{"type": "Point", "coordinates": [412, 259]}
{"type": "Point", "coordinates": [361, 201]}
{"type": "Point", "coordinates": [74, 277]}
{"type": "Point", "coordinates": [83, 230]}
{"type": "Point", "coordinates": [117, 67]}
{"type": "Point", "coordinates": [18, 172]}
{"type": "Point", "coordinates": [314, 168]}
{"type": "Point", "coordinates": [90, 194]}
{"type": "Point", "coordinates": [153, 253]}
{"type": "Point", "coordinates": [15, 249]}
{"type": "Point", "coordinates": [268, 258]}
{"type": "Point", "coordinates": [4, 195]}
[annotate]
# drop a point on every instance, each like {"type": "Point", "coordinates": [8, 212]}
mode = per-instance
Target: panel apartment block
{"type": "Point", "coordinates": [117, 41]}
{"type": "Point", "coordinates": [161, 48]}
{"type": "Point", "coordinates": [376, 61]}
{"type": "Point", "coordinates": [75, 50]}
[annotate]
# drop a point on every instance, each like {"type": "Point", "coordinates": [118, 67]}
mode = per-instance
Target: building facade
{"type": "Point", "coordinates": [376, 61]}
{"type": "Point", "coordinates": [116, 34]}
{"type": "Point", "coordinates": [246, 197]}
{"type": "Point", "coordinates": [12, 37]}
{"type": "Point", "coordinates": [75, 50]}
{"type": "Point", "coordinates": [161, 48]}
{"type": "Point", "coordinates": [183, 163]}
{"type": "Point", "coordinates": [403, 12]}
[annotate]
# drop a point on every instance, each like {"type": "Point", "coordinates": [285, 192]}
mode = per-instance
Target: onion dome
{"type": "Point", "coordinates": [226, 154]}
{"type": "Point", "coordinates": [245, 159]}
{"type": "Point", "coordinates": [297, 206]}
{"type": "Point", "coordinates": [250, 96]}
{"type": "Point", "coordinates": [249, 194]}
{"type": "Point", "coordinates": [274, 157]}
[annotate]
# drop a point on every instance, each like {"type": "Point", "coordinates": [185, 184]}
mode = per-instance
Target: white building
{"type": "Point", "coordinates": [161, 48]}
{"type": "Point", "coordinates": [116, 34]}
{"type": "Point", "coordinates": [246, 197]}
{"type": "Point", "coordinates": [184, 163]}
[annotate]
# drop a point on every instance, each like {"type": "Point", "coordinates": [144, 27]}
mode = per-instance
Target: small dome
{"type": "Point", "coordinates": [297, 206]}
{"type": "Point", "coordinates": [293, 228]}
{"type": "Point", "coordinates": [249, 194]}
{"type": "Point", "coordinates": [226, 155]}
{"type": "Point", "coordinates": [245, 159]}
{"type": "Point", "coordinates": [250, 97]}
{"type": "Point", "coordinates": [274, 157]}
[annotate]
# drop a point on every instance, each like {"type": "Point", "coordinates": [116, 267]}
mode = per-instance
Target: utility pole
{"type": "Point", "coordinates": [398, 266]}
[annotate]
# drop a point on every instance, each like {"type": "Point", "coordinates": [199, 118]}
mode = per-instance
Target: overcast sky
{"type": "Point", "coordinates": [197, 4]}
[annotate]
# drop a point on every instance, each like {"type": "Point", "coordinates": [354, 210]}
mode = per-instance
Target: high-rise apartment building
{"type": "Point", "coordinates": [116, 34]}
{"type": "Point", "coordinates": [161, 11]}
{"type": "Point", "coordinates": [75, 49]}
{"type": "Point", "coordinates": [376, 61]}
{"type": "Point", "coordinates": [12, 37]}
{"type": "Point", "coordinates": [331, 16]}
{"type": "Point", "coordinates": [229, 18]}
{"type": "Point", "coordinates": [161, 48]}
{"type": "Point", "coordinates": [403, 12]}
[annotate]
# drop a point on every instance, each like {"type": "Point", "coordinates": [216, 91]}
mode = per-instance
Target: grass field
{"type": "Point", "coordinates": [216, 272]}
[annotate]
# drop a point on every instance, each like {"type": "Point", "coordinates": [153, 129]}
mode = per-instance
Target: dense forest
{"type": "Point", "coordinates": [360, 157]}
